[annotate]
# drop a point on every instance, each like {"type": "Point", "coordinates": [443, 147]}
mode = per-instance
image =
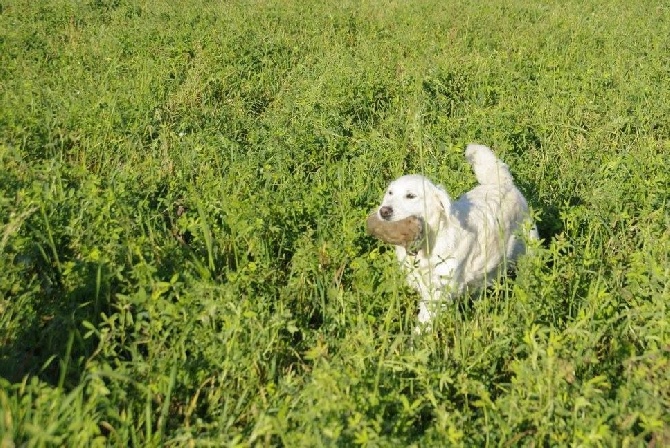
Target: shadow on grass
{"type": "Point", "coordinates": [50, 340]}
{"type": "Point", "coordinates": [550, 223]}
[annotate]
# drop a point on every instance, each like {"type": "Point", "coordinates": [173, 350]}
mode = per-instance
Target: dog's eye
{"type": "Point", "coordinates": [410, 195]}
{"type": "Point", "coordinates": [390, 193]}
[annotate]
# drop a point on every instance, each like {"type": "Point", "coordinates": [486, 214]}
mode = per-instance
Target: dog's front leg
{"type": "Point", "coordinates": [426, 314]}
{"type": "Point", "coordinates": [427, 297]}
{"type": "Point", "coordinates": [429, 306]}
{"type": "Point", "coordinates": [433, 298]}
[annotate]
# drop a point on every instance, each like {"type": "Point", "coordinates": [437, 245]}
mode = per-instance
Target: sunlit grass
{"type": "Point", "coordinates": [183, 190]}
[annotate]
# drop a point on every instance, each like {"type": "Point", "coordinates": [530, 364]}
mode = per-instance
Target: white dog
{"type": "Point", "coordinates": [466, 242]}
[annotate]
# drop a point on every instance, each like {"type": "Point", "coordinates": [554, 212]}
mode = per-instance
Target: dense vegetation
{"type": "Point", "coordinates": [183, 189]}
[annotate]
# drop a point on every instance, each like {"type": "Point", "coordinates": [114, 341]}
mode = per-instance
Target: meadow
{"type": "Point", "coordinates": [183, 192]}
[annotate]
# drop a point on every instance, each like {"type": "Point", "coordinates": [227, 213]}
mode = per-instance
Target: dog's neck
{"type": "Point", "coordinates": [430, 231]}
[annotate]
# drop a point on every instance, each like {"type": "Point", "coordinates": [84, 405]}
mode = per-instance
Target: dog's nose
{"type": "Point", "coordinates": [386, 212]}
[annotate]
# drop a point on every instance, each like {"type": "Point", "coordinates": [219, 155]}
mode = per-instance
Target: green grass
{"type": "Point", "coordinates": [183, 189]}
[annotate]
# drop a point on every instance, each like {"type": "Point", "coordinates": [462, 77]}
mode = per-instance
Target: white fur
{"type": "Point", "coordinates": [468, 241]}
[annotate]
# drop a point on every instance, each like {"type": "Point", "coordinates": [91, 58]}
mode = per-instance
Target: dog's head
{"type": "Point", "coordinates": [414, 195]}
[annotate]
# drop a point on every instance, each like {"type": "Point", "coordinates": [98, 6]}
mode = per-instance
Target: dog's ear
{"type": "Point", "coordinates": [441, 206]}
{"type": "Point", "coordinates": [443, 199]}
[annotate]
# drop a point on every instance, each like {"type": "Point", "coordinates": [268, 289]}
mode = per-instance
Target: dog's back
{"type": "Point", "coordinates": [495, 211]}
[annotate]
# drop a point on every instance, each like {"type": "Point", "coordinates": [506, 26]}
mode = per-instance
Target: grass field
{"type": "Point", "coordinates": [183, 190]}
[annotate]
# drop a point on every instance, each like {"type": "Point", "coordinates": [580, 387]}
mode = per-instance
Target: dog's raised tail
{"type": "Point", "coordinates": [489, 170]}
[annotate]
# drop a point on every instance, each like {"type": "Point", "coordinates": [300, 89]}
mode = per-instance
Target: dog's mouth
{"type": "Point", "coordinates": [415, 246]}
{"type": "Point", "coordinates": [393, 216]}
{"type": "Point", "coordinates": [408, 232]}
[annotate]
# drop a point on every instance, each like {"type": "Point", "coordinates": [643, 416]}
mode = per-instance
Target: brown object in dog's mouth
{"type": "Point", "coordinates": [405, 232]}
